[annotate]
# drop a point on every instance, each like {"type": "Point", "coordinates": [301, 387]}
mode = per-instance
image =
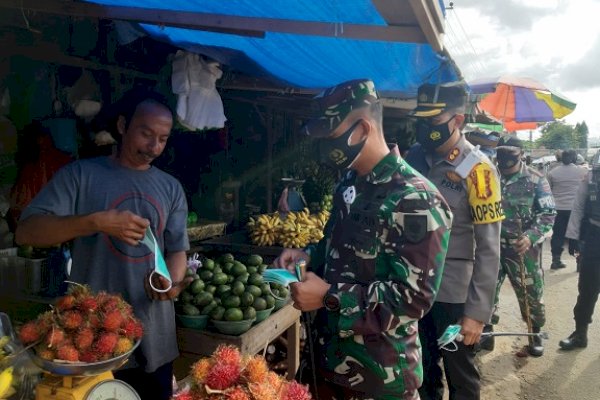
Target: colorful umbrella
{"type": "Point", "coordinates": [520, 103]}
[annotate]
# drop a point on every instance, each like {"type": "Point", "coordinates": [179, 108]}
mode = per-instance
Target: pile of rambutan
{"type": "Point", "coordinates": [229, 375]}
{"type": "Point", "coordinates": [83, 327]}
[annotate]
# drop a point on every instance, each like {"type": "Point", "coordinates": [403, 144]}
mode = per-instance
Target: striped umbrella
{"type": "Point", "coordinates": [519, 103]}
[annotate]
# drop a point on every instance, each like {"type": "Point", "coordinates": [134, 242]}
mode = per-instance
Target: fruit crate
{"type": "Point", "coordinates": [24, 275]}
{"type": "Point", "coordinates": [205, 229]}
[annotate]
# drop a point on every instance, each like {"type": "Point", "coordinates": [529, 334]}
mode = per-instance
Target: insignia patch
{"type": "Point", "coordinates": [482, 182]}
{"type": "Point", "coordinates": [453, 176]}
{"type": "Point", "coordinates": [423, 98]}
{"type": "Point", "coordinates": [415, 228]}
{"type": "Point", "coordinates": [435, 135]}
{"type": "Point", "coordinates": [453, 154]}
{"type": "Point", "coordinates": [349, 195]}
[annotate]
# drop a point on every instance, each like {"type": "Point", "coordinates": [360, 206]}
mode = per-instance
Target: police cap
{"type": "Point", "coordinates": [434, 99]}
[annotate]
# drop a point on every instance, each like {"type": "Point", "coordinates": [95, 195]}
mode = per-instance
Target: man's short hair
{"type": "Point", "coordinates": [569, 157]}
{"type": "Point", "coordinates": [130, 101]}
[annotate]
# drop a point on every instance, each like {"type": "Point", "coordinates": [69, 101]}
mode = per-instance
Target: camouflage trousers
{"type": "Point", "coordinates": [533, 287]}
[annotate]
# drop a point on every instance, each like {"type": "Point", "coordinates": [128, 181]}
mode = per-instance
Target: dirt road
{"type": "Point", "coordinates": [557, 375]}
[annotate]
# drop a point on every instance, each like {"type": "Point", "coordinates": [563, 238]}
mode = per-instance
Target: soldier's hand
{"type": "Point", "coordinates": [522, 245]}
{"type": "Point", "coordinates": [471, 330]}
{"type": "Point", "coordinates": [288, 258]}
{"type": "Point", "coordinates": [308, 294]}
{"type": "Point", "coordinates": [574, 247]}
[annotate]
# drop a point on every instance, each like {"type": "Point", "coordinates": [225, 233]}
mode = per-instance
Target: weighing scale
{"type": "Point", "coordinates": [83, 381]}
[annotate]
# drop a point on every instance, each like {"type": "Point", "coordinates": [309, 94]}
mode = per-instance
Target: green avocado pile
{"type": "Point", "coordinates": [226, 289]}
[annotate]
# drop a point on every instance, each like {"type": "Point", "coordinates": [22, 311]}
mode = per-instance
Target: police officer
{"type": "Point", "coordinates": [584, 226]}
{"type": "Point", "coordinates": [469, 182]}
{"type": "Point", "coordinates": [377, 270]}
{"type": "Point", "coordinates": [529, 210]}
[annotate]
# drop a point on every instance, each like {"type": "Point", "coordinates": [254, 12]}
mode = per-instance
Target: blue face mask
{"type": "Point", "coordinates": [432, 136]}
{"type": "Point", "coordinates": [337, 152]}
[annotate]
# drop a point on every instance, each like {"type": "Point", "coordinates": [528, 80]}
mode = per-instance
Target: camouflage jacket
{"type": "Point", "coordinates": [383, 253]}
{"type": "Point", "coordinates": [528, 206]}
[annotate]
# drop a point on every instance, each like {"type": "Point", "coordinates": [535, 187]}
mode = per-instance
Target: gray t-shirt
{"type": "Point", "coordinates": [564, 181]}
{"type": "Point", "coordinates": [106, 263]}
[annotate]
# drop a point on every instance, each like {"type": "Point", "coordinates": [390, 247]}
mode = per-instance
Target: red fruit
{"type": "Point", "coordinates": [84, 338]}
{"type": "Point", "coordinates": [68, 353]}
{"type": "Point", "coordinates": [112, 320]}
{"type": "Point", "coordinates": [88, 356]}
{"type": "Point", "coordinates": [55, 337]}
{"type": "Point", "coordinates": [29, 333]}
{"type": "Point", "coordinates": [133, 329]}
{"type": "Point", "coordinates": [94, 321]}
{"type": "Point", "coordinates": [46, 354]}
{"type": "Point", "coordinates": [222, 376]}
{"type": "Point", "coordinates": [72, 319]}
{"type": "Point", "coordinates": [106, 343]}
{"type": "Point", "coordinates": [237, 393]}
{"type": "Point", "coordinates": [227, 355]}
{"type": "Point", "coordinates": [295, 391]}
{"type": "Point", "coordinates": [45, 322]}
{"type": "Point", "coordinates": [88, 304]}
{"type": "Point", "coordinates": [66, 302]}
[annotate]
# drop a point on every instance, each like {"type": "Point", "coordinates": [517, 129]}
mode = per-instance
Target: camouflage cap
{"type": "Point", "coordinates": [433, 99]}
{"type": "Point", "coordinates": [333, 105]}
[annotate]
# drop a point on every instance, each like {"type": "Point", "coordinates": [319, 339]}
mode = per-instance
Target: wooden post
{"type": "Point", "coordinates": [293, 349]}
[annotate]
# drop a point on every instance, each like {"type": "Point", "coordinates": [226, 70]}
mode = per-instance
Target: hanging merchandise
{"type": "Point", "coordinates": [199, 104]}
{"type": "Point", "coordinates": [84, 96]}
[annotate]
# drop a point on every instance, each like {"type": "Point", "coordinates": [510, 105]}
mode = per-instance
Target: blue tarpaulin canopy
{"type": "Point", "coordinates": [310, 58]}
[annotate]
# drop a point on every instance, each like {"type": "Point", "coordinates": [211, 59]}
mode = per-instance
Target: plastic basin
{"type": "Point", "coordinates": [233, 327]}
{"type": "Point", "coordinates": [193, 321]}
{"type": "Point", "coordinates": [263, 314]}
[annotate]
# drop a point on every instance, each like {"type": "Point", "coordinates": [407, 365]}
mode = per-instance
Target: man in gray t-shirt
{"type": "Point", "coordinates": [104, 206]}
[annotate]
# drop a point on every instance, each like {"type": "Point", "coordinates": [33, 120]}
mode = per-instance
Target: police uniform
{"type": "Point", "coordinates": [383, 254]}
{"type": "Point", "coordinates": [470, 184]}
{"type": "Point", "coordinates": [584, 226]}
{"type": "Point", "coordinates": [529, 210]}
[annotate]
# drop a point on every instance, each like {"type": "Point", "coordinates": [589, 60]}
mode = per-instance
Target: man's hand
{"type": "Point", "coordinates": [574, 247]}
{"type": "Point", "coordinates": [288, 258]}
{"type": "Point", "coordinates": [522, 245]}
{"type": "Point", "coordinates": [308, 294]}
{"type": "Point", "coordinates": [123, 225]}
{"type": "Point", "coordinates": [471, 330]}
{"type": "Point", "coordinates": [160, 282]}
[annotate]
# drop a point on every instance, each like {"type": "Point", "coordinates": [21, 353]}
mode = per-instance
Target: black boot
{"type": "Point", "coordinates": [536, 347]}
{"type": "Point", "coordinates": [577, 339]}
{"type": "Point", "coordinates": [487, 342]}
{"type": "Point", "coordinates": [557, 263]}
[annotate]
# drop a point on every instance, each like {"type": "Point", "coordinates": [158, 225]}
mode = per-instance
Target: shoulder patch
{"type": "Point", "coordinates": [455, 152]}
{"type": "Point", "coordinates": [484, 195]}
{"type": "Point", "coordinates": [415, 228]}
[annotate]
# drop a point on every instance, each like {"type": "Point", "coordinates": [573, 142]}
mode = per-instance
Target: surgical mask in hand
{"type": "Point", "coordinates": [337, 152]}
{"type": "Point", "coordinates": [449, 338]}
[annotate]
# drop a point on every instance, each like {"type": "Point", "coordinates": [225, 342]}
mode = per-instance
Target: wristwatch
{"type": "Point", "coordinates": [331, 300]}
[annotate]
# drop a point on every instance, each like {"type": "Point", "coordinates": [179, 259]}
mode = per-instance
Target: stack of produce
{"type": "Point", "coordinates": [226, 289]}
{"type": "Point", "coordinates": [83, 327]}
{"type": "Point", "coordinates": [296, 230]}
{"type": "Point", "coordinates": [228, 375]}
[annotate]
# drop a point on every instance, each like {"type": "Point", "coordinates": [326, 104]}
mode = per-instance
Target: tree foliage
{"type": "Point", "coordinates": [560, 135]}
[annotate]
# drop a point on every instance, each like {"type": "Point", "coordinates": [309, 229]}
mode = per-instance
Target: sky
{"type": "Point", "coordinates": [556, 42]}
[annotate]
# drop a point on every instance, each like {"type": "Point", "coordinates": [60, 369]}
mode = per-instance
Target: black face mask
{"type": "Point", "coordinates": [337, 152]}
{"type": "Point", "coordinates": [432, 136]}
{"type": "Point", "coordinates": [507, 158]}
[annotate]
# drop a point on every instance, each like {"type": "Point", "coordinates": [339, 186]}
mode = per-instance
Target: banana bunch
{"type": "Point", "coordinates": [6, 375]}
{"type": "Point", "coordinates": [264, 229]}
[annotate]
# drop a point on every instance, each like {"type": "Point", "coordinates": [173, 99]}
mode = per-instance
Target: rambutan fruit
{"type": "Point", "coordinates": [106, 343]}
{"type": "Point", "coordinates": [29, 333]}
{"type": "Point", "coordinates": [45, 353]}
{"type": "Point", "coordinates": [123, 346]}
{"type": "Point", "coordinates": [84, 338]}
{"type": "Point", "coordinates": [295, 391]}
{"type": "Point", "coordinates": [200, 369]}
{"type": "Point", "coordinates": [112, 320]}
{"type": "Point", "coordinates": [88, 304]}
{"type": "Point", "coordinates": [226, 354]}
{"type": "Point", "coordinates": [88, 356]}
{"type": "Point", "coordinates": [237, 393]}
{"type": "Point", "coordinates": [72, 319]}
{"type": "Point", "coordinates": [262, 391]}
{"type": "Point", "coordinates": [222, 376]}
{"type": "Point", "coordinates": [132, 328]}
{"type": "Point", "coordinates": [45, 322]}
{"type": "Point", "coordinates": [67, 353]}
{"type": "Point", "coordinates": [274, 380]}
{"type": "Point", "coordinates": [94, 321]}
{"type": "Point", "coordinates": [55, 337]}
{"type": "Point", "coordinates": [65, 302]}
{"type": "Point", "coordinates": [256, 369]}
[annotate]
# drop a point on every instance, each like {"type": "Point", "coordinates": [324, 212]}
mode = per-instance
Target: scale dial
{"type": "Point", "coordinates": [112, 389]}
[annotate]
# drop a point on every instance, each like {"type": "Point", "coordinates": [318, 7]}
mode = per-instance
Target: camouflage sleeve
{"type": "Point", "coordinates": [412, 256]}
{"type": "Point", "coordinates": [543, 213]}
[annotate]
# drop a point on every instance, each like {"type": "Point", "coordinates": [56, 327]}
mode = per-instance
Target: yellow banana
{"type": "Point", "coordinates": [6, 378]}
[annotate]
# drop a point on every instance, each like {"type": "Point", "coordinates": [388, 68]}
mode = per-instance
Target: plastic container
{"type": "Point", "coordinates": [263, 314]}
{"type": "Point", "coordinates": [279, 302]}
{"type": "Point", "coordinates": [24, 275]}
{"type": "Point", "coordinates": [233, 327]}
{"type": "Point", "coordinates": [192, 321]}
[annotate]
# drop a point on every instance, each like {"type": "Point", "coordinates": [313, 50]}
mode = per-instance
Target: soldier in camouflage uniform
{"type": "Point", "coordinates": [529, 210]}
{"type": "Point", "coordinates": [378, 269]}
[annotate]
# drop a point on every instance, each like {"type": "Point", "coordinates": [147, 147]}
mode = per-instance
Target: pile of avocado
{"type": "Point", "coordinates": [226, 289]}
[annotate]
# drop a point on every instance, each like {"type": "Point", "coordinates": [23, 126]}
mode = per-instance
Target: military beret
{"type": "Point", "coordinates": [434, 99]}
{"type": "Point", "coordinates": [333, 105]}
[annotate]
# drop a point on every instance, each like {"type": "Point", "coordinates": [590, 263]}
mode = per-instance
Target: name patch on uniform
{"type": "Point", "coordinates": [546, 202]}
{"type": "Point", "coordinates": [456, 186]}
{"type": "Point", "coordinates": [453, 176]}
{"type": "Point", "coordinates": [483, 191]}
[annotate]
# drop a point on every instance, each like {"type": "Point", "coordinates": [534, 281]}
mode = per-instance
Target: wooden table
{"type": "Point", "coordinates": [194, 344]}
